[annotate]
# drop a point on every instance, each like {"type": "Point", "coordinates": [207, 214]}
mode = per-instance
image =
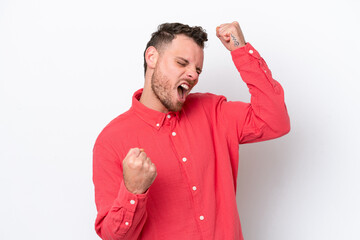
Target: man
{"type": "Point", "coordinates": [167, 168]}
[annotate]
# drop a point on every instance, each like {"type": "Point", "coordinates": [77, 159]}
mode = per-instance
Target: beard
{"type": "Point", "coordinates": [161, 87]}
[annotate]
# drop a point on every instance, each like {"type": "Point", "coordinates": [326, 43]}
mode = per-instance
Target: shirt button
{"type": "Point", "coordinates": [201, 218]}
{"type": "Point", "coordinates": [168, 116]}
{"type": "Point", "coordinates": [184, 159]}
{"type": "Point", "coordinates": [127, 223]}
{"type": "Point", "coordinates": [194, 188]}
{"type": "Point", "coordinates": [251, 51]}
{"type": "Point", "coordinates": [132, 201]}
{"type": "Point", "coordinates": [158, 124]}
{"type": "Point", "coordinates": [174, 133]}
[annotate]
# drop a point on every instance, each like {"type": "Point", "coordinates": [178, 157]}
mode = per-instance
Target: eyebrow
{"type": "Point", "coordinates": [187, 62]}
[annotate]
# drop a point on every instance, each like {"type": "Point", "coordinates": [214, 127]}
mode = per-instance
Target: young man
{"type": "Point", "coordinates": [167, 168]}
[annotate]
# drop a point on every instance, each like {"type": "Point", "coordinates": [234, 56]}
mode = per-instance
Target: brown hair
{"type": "Point", "coordinates": [167, 31]}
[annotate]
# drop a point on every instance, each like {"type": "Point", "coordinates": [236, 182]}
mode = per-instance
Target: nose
{"type": "Point", "coordinates": [192, 75]}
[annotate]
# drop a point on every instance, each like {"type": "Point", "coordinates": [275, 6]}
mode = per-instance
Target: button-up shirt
{"type": "Point", "coordinates": [195, 151]}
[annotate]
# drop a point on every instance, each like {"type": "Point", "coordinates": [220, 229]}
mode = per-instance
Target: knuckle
{"type": "Point", "coordinates": [131, 152]}
{"type": "Point", "coordinates": [143, 155]}
{"type": "Point", "coordinates": [129, 164]}
{"type": "Point", "coordinates": [146, 165]}
{"type": "Point", "coordinates": [130, 159]}
{"type": "Point", "coordinates": [152, 168]}
{"type": "Point", "coordinates": [138, 164]}
{"type": "Point", "coordinates": [133, 163]}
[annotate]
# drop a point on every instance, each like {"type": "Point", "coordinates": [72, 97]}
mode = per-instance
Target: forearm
{"type": "Point", "coordinates": [121, 214]}
{"type": "Point", "coordinates": [267, 108]}
{"type": "Point", "coordinates": [125, 219]}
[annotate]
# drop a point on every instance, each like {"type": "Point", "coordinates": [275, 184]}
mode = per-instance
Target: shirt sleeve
{"type": "Point", "coordinates": [265, 117]}
{"type": "Point", "coordinates": [121, 214]}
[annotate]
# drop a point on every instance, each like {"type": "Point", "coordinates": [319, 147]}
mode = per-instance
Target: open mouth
{"type": "Point", "coordinates": [183, 90]}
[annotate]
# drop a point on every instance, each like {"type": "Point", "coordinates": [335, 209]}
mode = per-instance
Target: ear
{"type": "Point", "coordinates": [151, 57]}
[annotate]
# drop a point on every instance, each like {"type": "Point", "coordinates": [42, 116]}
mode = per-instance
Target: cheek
{"type": "Point", "coordinates": [174, 71]}
{"type": "Point", "coordinates": [197, 80]}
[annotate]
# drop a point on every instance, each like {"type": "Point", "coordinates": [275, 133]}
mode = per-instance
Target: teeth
{"type": "Point", "coordinates": [186, 87]}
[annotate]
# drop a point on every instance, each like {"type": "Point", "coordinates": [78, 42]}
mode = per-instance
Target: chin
{"type": "Point", "coordinates": [176, 107]}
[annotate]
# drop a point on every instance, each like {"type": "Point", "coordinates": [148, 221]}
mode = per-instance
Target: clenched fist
{"type": "Point", "coordinates": [138, 170]}
{"type": "Point", "coordinates": [230, 35]}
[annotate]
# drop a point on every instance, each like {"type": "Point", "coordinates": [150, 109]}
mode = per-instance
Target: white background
{"type": "Point", "coordinates": [69, 67]}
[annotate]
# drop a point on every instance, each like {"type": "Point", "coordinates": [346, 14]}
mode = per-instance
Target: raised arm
{"type": "Point", "coordinates": [265, 117]}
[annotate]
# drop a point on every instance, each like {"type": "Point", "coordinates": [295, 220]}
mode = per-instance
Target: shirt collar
{"type": "Point", "coordinates": [152, 117]}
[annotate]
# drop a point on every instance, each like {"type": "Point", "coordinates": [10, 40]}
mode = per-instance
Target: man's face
{"type": "Point", "coordinates": [176, 72]}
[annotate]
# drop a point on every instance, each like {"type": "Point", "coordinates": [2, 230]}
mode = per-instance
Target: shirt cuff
{"type": "Point", "coordinates": [244, 55]}
{"type": "Point", "coordinates": [129, 200]}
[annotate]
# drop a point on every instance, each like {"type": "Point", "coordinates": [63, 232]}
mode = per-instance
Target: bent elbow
{"type": "Point", "coordinates": [286, 129]}
{"type": "Point", "coordinates": [283, 127]}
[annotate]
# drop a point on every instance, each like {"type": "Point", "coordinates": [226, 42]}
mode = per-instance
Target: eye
{"type": "Point", "coordinates": [181, 64]}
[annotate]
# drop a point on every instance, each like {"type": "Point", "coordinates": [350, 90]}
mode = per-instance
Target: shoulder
{"type": "Point", "coordinates": [115, 127]}
{"type": "Point", "coordinates": [203, 100]}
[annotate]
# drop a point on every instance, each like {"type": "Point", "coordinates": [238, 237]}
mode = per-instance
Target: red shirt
{"type": "Point", "coordinates": [195, 151]}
